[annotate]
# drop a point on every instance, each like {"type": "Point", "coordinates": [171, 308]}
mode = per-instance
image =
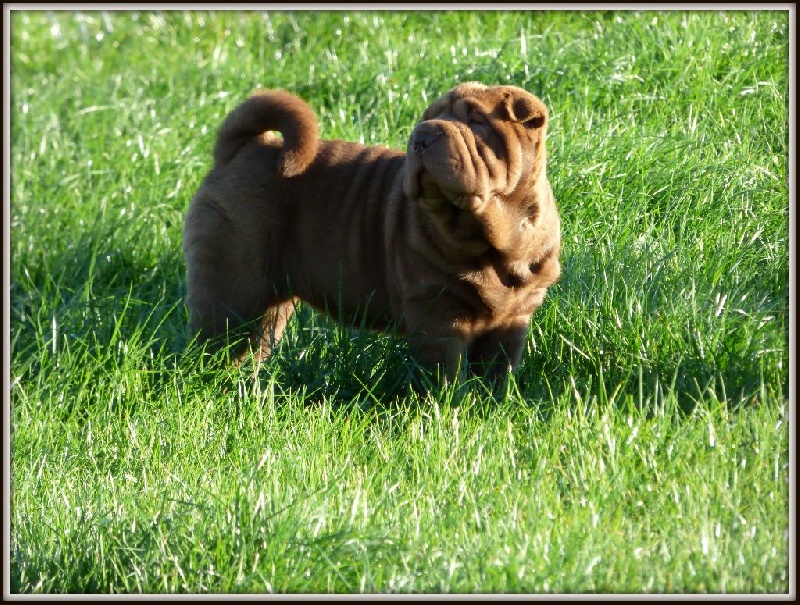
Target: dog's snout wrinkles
{"type": "Point", "coordinates": [424, 136]}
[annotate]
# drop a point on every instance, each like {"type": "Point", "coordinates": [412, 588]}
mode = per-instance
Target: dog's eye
{"type": "Point", "coordinates": [534, 122]}
{"type": "Point", "coordinates": [476, 118]}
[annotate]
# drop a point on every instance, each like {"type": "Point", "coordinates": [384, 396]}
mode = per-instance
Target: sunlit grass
{"type": "Point", "coordinates": [642, 447]}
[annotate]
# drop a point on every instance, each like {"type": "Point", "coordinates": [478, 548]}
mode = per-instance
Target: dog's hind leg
{"type": "Point", "coordinates": [226, 292]}
{"type": "Point", "coordinates": [223, 310]}
{"type": "Point", "coordinates": [273, 324]}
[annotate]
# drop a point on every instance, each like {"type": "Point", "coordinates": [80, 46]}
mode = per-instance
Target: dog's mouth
{"type": "Point", "coordinates": [431, 193]}
{"type": "Point", "coordinates": [455, 213]}
{"type": "Point", "coordinates": [435, 180]}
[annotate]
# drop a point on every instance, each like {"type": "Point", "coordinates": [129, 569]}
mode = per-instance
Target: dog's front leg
{"type": "Point", "coordinates": [442, 350]}
{"type": "Point", "coordinates": [496, 353]}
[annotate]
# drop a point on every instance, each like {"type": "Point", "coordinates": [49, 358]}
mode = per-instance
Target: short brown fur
{"type": "Point", "coordinates": [454, 243]}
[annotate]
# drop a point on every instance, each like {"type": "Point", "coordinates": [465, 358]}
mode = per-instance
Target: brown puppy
{"type": "Point", "coordinates": [454, 242]}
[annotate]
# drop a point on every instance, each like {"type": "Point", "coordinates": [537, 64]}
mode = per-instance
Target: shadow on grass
{"type": "Point", "coordinates": [107, 309]}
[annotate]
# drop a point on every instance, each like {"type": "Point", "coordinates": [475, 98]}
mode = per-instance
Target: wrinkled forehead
{"type": "Point", "coordinates": [503, 101]}
{"type": "Point", "coordinates": [488, 97]}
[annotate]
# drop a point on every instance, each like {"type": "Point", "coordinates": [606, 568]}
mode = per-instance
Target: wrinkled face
{"type": "Point", "coordinates": [474, 144]}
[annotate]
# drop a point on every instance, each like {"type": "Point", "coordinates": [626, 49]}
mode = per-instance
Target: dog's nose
{"type": "Point", "coordinates": [424, 136]}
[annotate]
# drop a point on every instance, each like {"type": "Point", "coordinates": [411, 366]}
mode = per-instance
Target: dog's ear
{"type": "Point", "coordinates": [527, 110]}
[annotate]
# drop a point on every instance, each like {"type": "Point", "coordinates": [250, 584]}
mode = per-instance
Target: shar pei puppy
{"type": "Point", "coordinates": [453, 243]}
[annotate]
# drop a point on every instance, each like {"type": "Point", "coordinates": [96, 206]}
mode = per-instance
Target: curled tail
{"type": "Point", "coordinates": [271, 110]}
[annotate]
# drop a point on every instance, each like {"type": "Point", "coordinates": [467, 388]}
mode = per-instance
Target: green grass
{"type": "Point", "coordinates": [644, 445]}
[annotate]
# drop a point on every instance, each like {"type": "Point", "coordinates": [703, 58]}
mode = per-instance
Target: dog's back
{"type": "Point", "coordinates": [268, 203]}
